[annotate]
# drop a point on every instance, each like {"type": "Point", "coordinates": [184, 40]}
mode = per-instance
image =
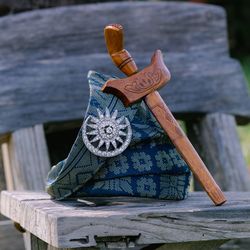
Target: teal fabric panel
{"type": "Point", "coordinates": [149, 167]}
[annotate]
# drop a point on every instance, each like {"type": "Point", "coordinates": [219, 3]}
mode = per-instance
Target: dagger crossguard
{"type": "Point", "coordinates": [137, 86]}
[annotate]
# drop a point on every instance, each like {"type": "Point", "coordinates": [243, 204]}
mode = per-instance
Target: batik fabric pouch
{"type": "Point", "coordinates": [150, 166]}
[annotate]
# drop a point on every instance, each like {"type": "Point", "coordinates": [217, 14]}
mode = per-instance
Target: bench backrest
{"type": "Point", "coordinates": [46, 54]}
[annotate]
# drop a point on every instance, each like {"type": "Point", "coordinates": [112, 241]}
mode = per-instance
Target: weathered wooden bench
{"type": "Point", "coordinates": [45, 58]}
{"type": "Point", "coordinates": [129, 222]}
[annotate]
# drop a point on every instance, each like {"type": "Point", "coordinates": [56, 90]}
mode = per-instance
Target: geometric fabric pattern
{"type": "Point", "coordinates": [149, 167]}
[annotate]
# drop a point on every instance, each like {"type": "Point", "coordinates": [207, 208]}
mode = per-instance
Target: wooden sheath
{"type": "Point", "coordinates": [114, 41]}
{"type": "Point", "coordinates": [184, 146]}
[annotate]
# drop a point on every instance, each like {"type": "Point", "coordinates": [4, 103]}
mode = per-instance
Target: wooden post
{"type": "Point", "coordinates": [38, 244]}
{"type": "Point", "coordinates": [215, 138]}
{"type": "Point", "coordinates": [26, 163]}
{"type": "Point", "coordinates": [10, 238]}
{"type": "Point", "coordinates": [26, 160]}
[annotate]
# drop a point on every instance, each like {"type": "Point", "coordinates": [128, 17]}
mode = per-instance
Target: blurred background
{"type": "Point", "coordinates": [238, 17]}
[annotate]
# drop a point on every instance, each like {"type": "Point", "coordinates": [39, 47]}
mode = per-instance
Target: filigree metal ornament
{"type": "Point", "coordinates": [106, 135]}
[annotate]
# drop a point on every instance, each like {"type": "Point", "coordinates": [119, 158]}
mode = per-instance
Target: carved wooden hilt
{"type": "Point", "coordinates": [113, 34]}
{"type": "Point", "coordinates": [134, 88]}
{"type": "Point", "coordinates": [139, 84]}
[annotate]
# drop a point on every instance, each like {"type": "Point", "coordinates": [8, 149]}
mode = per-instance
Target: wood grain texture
{"type": "Point", "coordinates": [196, 28]}
{"type": "Point", "coordinates": [44, 68]}
{"type": "Point", "coordinates": [215, 138]}
{"type": "Point", "coordinates": [138, 85]}
{"type": "Point", "coordinates": [33, 87]}
{"type": "Point", "coordinates": [26, 159]}
{"type": "Point", "coordinates": [141, 221]}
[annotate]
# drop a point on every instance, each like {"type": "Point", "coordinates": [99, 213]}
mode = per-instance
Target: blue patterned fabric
{"type": "Point", "coordinates": [149, 167]}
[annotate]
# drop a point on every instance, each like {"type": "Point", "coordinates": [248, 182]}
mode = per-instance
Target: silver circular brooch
{"type": "Point", "coordinates": [106, 135]}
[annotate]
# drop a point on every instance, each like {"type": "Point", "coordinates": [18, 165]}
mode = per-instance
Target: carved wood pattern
{"type": "Point", "coordinates": [135, 87]}
{"type": "Point", "coordinates": [148, 82]}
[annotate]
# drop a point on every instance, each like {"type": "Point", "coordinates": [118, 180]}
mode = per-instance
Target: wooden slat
{"type": "Point", "coordinates": [10, 238]}
{"type": "Point", "coordinates": [143, 221]}
{"type": "Point", "coordinates": [53, 33]}
{"type": "Point", "coordinates": [45, 69]}
{"type": "Point", "coordinates": [26, 159]}
{"type": "Point", "coordinates": [216, 140]}
{"type": "Point", "coordinates": [60, 88]}
{"type": "Point", "coordinates": [9, 179]}
{"type": "Point", "coordinates": [26, 164]}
